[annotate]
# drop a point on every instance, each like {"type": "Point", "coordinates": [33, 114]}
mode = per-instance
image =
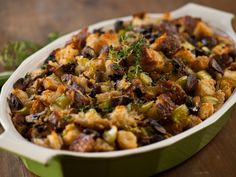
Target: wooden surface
{"type": "Point", "coordinates": [34, 19]}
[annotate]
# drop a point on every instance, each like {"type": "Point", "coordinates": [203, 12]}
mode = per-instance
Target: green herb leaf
{"type": "Point", "coordinates": [53, 36]}
{"type": "Point", "coordinates": [14, 53]}
{"type": "Point", "coordinates": [67, 117]}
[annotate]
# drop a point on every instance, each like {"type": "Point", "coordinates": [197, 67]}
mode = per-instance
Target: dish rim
{"type": "Point", "coordinates": [43, 154]}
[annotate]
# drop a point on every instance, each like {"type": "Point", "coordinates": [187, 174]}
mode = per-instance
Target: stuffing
{"type": "Point", "coordinates": [193, 120]}
{"type": "Point", "coordinates": [206, 110]}
{"type": "Point", "coordinates": [167, 43]}
{"type": "Point", "coordinates": [185, 55]}
{"type": "Point", "coordinates": [121, 118]}
{"type": "Point", "coordinates": [102, 146]}
{"type": "Point", "coordinates": [84, 143]}
{"type": "Point", "coordinates": [200, 63]}
{"type": "Point", "coordinates": [126, 140]}
{"type": "Point", "coordinates": [152, 60]}
{"type": "Point", "coordinates": [230, 75]}
{"type": "Point", "coordinates": [91, 119]}
{"type": "Point", "coordinates": [226, 86]}
{"type": "Point", "coordinates": [163, 107]}
{"type": "Point", "coordinates": [220, 96]}
{"type": "Point", "coordinates": [23, 96]}
{"type": "Point", "coordinates": [202, 30]}
{"type": "Point", "coordinates": [205, 87]}
{"type": "Point", "coordinates": [70, 133]}
{"type": "Point", "coordinates": [55, 140]}
{"type": "Point", "coordinates": [124, 86]}
{"type": "Point", "coordinates": [51, 82]}
{"type": "Point", "coordinates": [66, 55]}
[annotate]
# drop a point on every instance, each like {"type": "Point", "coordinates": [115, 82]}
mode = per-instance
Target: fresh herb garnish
{"type": "Point", "coordinates": [53, 36]}
{"type": "Point", "coordinates": [83, 108]}
{"type": "Point", "coordinates": [137, 52]}
{"type": "Point", "coordinates": [14, 53]}
{"type": "Point", "coordinates": [135, 49]}
{"type": "Point", "coordinates": [67, 117]}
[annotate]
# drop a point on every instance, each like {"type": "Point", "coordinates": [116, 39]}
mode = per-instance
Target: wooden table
{"type": "Point", "coordinates": [34, 19]}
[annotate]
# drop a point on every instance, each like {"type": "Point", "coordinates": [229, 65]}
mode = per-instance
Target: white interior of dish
{"type": "Point", "coordinates": [12, 141]}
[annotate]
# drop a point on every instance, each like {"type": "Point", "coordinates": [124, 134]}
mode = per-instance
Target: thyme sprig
{"type": "Point", "coordinates": [134, 50]}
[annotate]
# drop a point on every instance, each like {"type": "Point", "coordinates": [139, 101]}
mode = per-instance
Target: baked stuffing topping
{"type": "Point", "coordinates": [141, 82]}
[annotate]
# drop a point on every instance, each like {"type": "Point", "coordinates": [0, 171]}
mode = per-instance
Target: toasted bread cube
{"type": "Point", "coordinates": [193, 121]}
{"type": "Point", "coordinates": [167, 43]}
{"type": "Point", "coordinates": [93, 41]}
{"type": "Point", "coordinates": [221, 49]}
{"type": "Point", "coordinates": [51, 82]}
{"type": "Point", "coordinates": [55, 140]}
{"type": "Point", "coordinates": [200, 63]}
{"type": "Point", "coordinates": [230, 75]}
{"type": "Point", "coordinates": [226, 86]}
{"type": "Point", "coordinates": [110, 39]}
{"type": "Point", "coordinates": [66, 55]}
{"type": "Point", "coordinates": [220, 96]}
{"type": "Point", "coordinates": [121, 118]}
{"type": "Point", "coordinates": [152, 60]}
{"type": "Point", "coordinates": [206, 87]}
{"type": "Point", "coordinates": [70, 133]}
{"type": "Point", "coordinates": [202, 29]}
{"type": "Point", "coordinates": [126, 140]}
{"type": "Point", "coordinates": [206, 110]}
{"type": "Point", "coordinates": [21, 95]}
{"type": "Point", "coordinates": [91, 119]}
{"type": "Point", "coordinates": [185, 55]}
{"type": "Point", "coordinates": [102, 146]}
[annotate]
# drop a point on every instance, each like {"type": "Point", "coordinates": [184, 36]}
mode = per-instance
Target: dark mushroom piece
{"type": "Point", "coordinates": [99, 76]}
{"type": "Point", "coordinates": [193, 104]}
{"type": "Point", "coordinates": [80, 99]}
{"type": "Point", "coordinates": [121, 100]}
{"type": "Point", "coordinates": [81, 38]}
{"type": "Point", "coordinates": [39, 131]}
{"type": "Point", "coordinates": [20, 84]}
{"type": "Point", "coordinates": [20, 124]}
{"type": "Point", "coordinates": [14, 103]}
{"type": "Point", "coordinates": [151, 139]}
{"type": "Point", "coordinates": [95, 90]}
{"type": "Point", "coordinates": [158, 127]}
{"type": "Point", "coordinates": [91, 132]}
{"type": "Point", "coordinates": [98, 30]}
{"type": "Point", "coordinates": [119, 24]}
{"type": "Point", "coordinates": [57, 122]}
{"type": "Point", "coordinates": [223, 61]}
{"type": "Point", "coordinates": [88, 52]}
{"type": "Point", "coordinates": [178, 66]}
{"type": "Point", "coordinates": [191, 84]}
{"type": "Point", "coordinates": [69, 68]}
{"type": "Point", "coordinates": [165, 27]}
{"type": "Point", "coordinates": [51, 57]}
{"type": "Point", "coordinates": [209, 41]}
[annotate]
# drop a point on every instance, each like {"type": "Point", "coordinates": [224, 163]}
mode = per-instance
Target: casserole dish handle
{"type": "Point", "coordinates": [23, 148]}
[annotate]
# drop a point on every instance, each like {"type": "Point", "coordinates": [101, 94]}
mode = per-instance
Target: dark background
{"type": "Point", "coordinates": [34, 19]}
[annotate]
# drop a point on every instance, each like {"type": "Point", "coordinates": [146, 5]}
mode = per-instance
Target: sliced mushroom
{"type": "Point", "coordinates": [14, 103]}
{"type": "Point", "coordinates": [191, 84]}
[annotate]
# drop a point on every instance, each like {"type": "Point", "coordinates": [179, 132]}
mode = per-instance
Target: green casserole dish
{"type": "Point", "coordinates": [143, 161]}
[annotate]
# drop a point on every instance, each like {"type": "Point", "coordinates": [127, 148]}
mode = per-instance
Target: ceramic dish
{"type": "Point", "coordinates": [143, 161]}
